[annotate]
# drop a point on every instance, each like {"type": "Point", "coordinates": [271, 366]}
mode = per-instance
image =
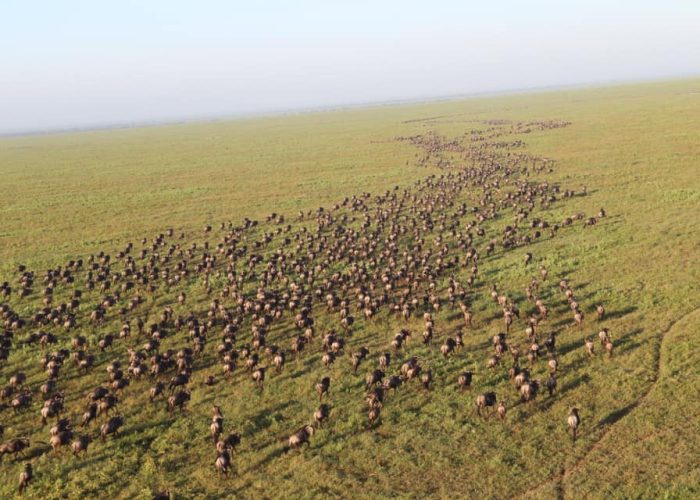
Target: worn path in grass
{"type": "Point", "coordinates": [615, 421]}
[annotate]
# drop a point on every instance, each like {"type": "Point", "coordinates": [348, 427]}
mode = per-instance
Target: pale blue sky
{"type": "Point", "coordinates": [75, 63]}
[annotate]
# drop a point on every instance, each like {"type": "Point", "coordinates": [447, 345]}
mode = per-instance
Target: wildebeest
{"type": "Point", "coordinates": [230, 442]}
{"type": "Point", "coordinates": [217, 423]}
{"type": "Point", "coordinates": [258, 377]}
{"type": "Point", "coordinates": [14, 446]}
{"type": "Point", "coordinates": [322, 387]}
{"type": "Point", "coordinates": [321, 414]}
{"type": "Point", "coordinates": [384, 360]}
{"type": "Point", "coordinates": [600, 311]}
{"type": "Point", "coordinates": [112, 426]}
{"type": "Point", "coordinates": [21, 401]}
{"type": "Point", "coordinates": [80, 445]}
{"type": "Point", "coordinates": [464, 381]}
{"type": "Point", "coordinates": [52, 407]}
{"type": "Point", "coordinates": [17, 380]}
{"type": "Point", "coordinates": [393, 383]}
{"type": "Point", "coordinates": [426, 378]}
{"type": "Point", "coordinates": [609, 348]}
{"type": "Point", "coordinates": [501, 410]}
{"type": "Point", "coordinates": [60, 438]}
{"type": "Point", "coordinates": [374, 378]}
{"type": "Point", "coordinates": [25, 477]}
{"type": "Point", "coordinates": [529, 390]}
{"type": "Point", "coordinates": [485, 400]}
{"type": "Point", "coordinates": [223, 462]}
{"type": "Point", "coordinates": [156, 391]}
{"type": "Point", "coordinates": [551, 383]}
{"type": "Point", "coordinates": [301, 436]}
{"type": "Point", "coordinates": [573, 420]}
{"type": "Point", "coordinates": [448, 347]}
{"type": "Point", "coordinates": [179, 400]}
{"type": "Point", "coordinates": [90, 414]}
{"type": "Point", "coordinates": [181, 379]}
{"type": "Point", "coordinates": [590, 347]}
{"type": "Point", "coordinates": [373, 415]}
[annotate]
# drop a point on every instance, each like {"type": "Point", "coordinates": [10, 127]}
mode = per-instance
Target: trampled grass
{"type": "Point", "coordinates": [635, 147]}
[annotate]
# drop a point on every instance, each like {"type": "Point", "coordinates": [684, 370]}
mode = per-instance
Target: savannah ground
{"type": "Point", "coordinates": [635, 147]}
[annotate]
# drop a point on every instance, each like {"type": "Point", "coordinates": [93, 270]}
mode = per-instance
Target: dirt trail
{"type": "Point", "coordinates": [567, 471]}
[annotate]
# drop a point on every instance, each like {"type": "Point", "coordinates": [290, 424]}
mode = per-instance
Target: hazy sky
{"type": "Point", "coordinates": [68, 63]}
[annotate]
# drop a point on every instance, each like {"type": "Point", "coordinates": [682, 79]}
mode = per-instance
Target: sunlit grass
{"type": "Point", "coordinates": [636, 148]}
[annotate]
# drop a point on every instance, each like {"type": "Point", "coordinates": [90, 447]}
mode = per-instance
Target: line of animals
{"type": "Point", "coordinates": [404, 253]}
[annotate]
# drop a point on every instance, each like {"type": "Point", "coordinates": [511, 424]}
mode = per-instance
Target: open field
{"type": "Point", "coordinates": [636, 148]}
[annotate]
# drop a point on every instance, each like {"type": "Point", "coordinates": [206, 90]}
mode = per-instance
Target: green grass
{"type": "Point", "coordinates": [636, 148]}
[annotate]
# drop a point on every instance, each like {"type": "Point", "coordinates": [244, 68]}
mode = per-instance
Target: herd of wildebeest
{"type": "Point", "coordinates": [408, 252]}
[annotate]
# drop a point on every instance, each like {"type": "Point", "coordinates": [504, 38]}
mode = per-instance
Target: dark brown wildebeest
{"type": "Point", "coordinates": [80, 445]}
{"type": "Point", "coordinates": [322, 387]}
{"type": "Point", "coordinates": [14, 447]}
{"type": "Point", "coordinates": [112, 426]}
{"type": "Point", "coordinates": [464, 381]}
{"type": "Point", "coordinates": [321, 414]}
{"type": "Point", "coordinates": [485, 400]}
{"type": "Point", "coordinates": [301, 437]}
{"type": "Point", "coordinates": [25, 477]}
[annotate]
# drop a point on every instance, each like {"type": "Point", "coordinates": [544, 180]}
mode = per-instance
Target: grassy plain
{"type": "Point", "coordinates": [636, 148]}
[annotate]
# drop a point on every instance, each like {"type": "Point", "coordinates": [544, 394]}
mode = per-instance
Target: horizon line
{"type": "Point", "coordinates": [233, 116]}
